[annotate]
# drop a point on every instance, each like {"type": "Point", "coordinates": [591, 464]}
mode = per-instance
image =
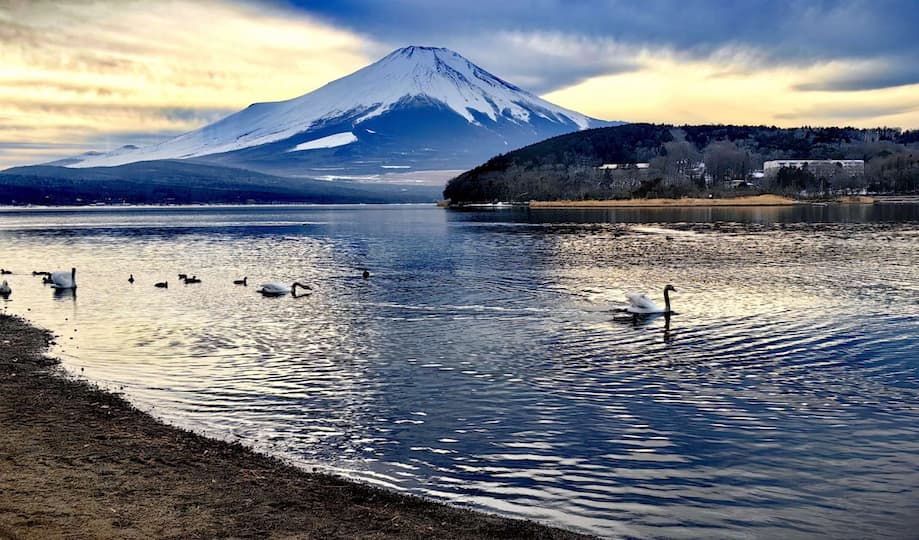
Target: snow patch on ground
{"type": "Point", "coordinates": [339, 139]}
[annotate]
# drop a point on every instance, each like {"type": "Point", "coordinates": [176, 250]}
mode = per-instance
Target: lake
{"type": "Point", "coordinates": [483, 364]}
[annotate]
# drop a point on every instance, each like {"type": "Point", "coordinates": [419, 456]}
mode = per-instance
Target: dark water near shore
{"type": "Point", "coordinates": [481, 363]}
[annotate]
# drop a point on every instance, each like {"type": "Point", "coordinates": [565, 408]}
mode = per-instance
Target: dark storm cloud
{"type": "Point", "coordinates": [797, 32]}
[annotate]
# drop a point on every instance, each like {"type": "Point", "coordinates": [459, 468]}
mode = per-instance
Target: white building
{"type": "Point", "coordinates": [615, 166]}
{"type": "Point", "coordinates": [855, 167]}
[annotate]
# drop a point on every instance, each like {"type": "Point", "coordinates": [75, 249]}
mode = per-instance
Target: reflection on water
{"type": "Point", "coordinates": [64, 294]}
{"type": "Point", "coordinates": [636, 320]}
{"type": "Point", "coordinates": [482, 363]}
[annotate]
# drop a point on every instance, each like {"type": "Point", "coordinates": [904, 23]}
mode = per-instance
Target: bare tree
{"type": "Point", "coordinates": [677, 162]}
{"type": "Point", "coordinates": [724, 161]}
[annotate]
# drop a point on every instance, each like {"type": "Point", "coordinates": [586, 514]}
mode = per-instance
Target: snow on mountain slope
{"type": "Point", "coordinates": [332, 141]}
{"type": "Point", "coordinates": [435, 74]}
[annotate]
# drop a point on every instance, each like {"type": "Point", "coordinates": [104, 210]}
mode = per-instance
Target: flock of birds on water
{"type": "Point", "coordinates": [639, 303]}
{"type": "Point", "coordinates": [63, 280]}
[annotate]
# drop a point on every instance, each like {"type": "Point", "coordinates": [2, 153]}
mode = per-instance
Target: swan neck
{"type": "Point", "coordinates": [667, 300]}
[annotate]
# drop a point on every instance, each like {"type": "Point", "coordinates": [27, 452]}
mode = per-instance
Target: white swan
{"type": "Point", "coordinates": [5, 289]}
{"type": "Point", "coordinates": [642, 305]}
{"type": "Point", "coordinates": [64, 280]}
{"type": "Point", "coordinates": [275, 288]}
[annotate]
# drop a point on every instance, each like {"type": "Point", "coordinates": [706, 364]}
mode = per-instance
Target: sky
{"type": "Point", "coordinates": [79, 75]}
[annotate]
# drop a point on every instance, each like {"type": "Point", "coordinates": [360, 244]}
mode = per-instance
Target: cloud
{"type": "Point", "coordinates": [889, 72]}
{"type": "Point", "coordinates": [563, 60]}
{"type": "Point", "coordinates": [835, 113]}
{"type": "Point", "coordinates": [671, 88]}
{"type": "Point", "coordinates": [13, 154]}
{"type": "Point", "coordinates": [796, 33]}
{"type": "Point", "coordinates": [74, 69]}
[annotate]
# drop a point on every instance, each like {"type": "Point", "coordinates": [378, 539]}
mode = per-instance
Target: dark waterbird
{"type": "Point", "coordinates": [131, 279]}
{"type": "Point", "coordinates": [162, 285]}
{"type": "Point", "coordinates": [193, 279]}
{"type": "Point", "coordinates": [4, 271]}
{"type": "Point", "coordinates": [243, 281]}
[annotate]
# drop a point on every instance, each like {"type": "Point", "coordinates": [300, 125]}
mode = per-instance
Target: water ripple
{"type": "Point", "coordinates": [482, 362]}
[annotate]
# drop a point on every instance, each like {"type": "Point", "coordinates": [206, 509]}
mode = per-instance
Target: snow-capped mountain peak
{"type": "Point", "coordinates": [411, 74]}
{"type": "Point", "coordinates": [446, 76]}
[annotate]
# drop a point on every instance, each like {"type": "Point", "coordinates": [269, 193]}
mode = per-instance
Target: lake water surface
{"type": "Point", "coordinates": [481, 363]}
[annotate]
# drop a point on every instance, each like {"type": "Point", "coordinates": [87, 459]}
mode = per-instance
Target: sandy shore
{"type": "Point", "coordinates": [77, 462]}
{"type": "Point", "coordinates": [757, 200]}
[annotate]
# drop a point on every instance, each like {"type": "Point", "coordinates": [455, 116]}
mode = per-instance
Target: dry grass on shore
{"type": "Point", "coordinates": [756, 200]}
{"type": "Point", "coordinates": [856, 199]}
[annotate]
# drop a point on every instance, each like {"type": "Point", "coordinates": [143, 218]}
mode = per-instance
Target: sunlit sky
{"type": "Point", "coordinates": [78, 75]}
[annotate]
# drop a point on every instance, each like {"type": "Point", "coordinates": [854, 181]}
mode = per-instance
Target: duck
{"type": "Point", "coordinates": [5, 272]}
{"type": "Point", "coordinates": [193, 279]}
{"type": "Point", "coordinates": [275, 288]}
{"type": "Point", "coordinates": [162, 285]}
{"type": "Point", "coordinates": [243, 281]}
{"type": "Point", "coordinates": [131, 279]}
{"type": "Point", "coordinates": [64, 280]}
{"type": "Point", "coordinates": [183, 277]}
{"type": "Point", "coordinates": [5, 289]}
{"type": "Point", "coordinates": [640, 304]}
{"type": "Point", "coordinates": [365, 274]}
{"type": "Point", "coordinates": [40, 273]}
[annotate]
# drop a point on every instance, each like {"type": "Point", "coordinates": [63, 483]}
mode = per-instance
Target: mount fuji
{"type": "Point", "coordinates": [416, 109]}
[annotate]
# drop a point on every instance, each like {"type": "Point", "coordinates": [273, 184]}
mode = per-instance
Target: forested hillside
{"type": "Point", "coordinates": [183, 182]}
{"type": "Point", "coordinates": [653, 160]}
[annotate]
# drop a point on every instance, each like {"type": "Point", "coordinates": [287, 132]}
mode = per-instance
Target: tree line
{"type": "Point", "coordinates": [694, 161]}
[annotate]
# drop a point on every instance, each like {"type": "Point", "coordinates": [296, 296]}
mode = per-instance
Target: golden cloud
{"type": "Point", "coordinates": [733, 87]}
{"type": "Point", "coordinates": [117, 66]}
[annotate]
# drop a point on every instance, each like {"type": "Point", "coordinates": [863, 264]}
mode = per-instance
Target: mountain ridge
{"type": "Point", "coordinates": [379, 105]}
{"type": "Point", "coordinates": [185, 182]}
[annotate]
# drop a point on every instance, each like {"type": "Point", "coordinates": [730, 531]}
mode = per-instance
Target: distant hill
{"type": "Point", "coordinates": [167, 181]}
{"type": "Point", "coordinates": [687, 160]}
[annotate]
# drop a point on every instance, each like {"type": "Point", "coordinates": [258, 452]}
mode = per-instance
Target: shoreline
{"type": "Point", "coordinates": [688, 202]}
{"type": "Point", "coordinates": [79, 461]}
